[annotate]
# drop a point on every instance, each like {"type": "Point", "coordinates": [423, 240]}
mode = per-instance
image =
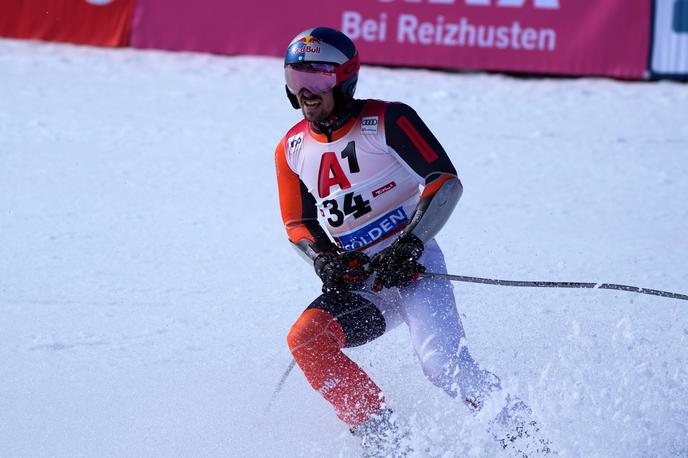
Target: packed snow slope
{"type": "Point", "coordinates": [147, 286]}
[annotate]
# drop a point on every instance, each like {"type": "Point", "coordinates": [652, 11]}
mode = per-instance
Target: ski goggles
{"type": "Point", "coordinates": [318, 77]}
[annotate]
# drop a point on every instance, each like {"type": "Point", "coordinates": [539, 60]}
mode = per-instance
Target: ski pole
{"type": "Point", "coordinates": [280, 385]}
{"type": "Point", "coordinates": [556, 284]}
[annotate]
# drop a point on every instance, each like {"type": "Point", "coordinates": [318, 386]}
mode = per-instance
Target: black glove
{"type": "Point", "coordinates": [341, 271]}
{"type": "Point", "coordinates": [398, 265]}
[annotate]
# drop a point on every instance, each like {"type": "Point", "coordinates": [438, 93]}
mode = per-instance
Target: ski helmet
{"type": "Point", "coordinates": [321, 59]}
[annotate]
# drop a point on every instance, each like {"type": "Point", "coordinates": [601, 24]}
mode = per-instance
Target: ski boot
{"type": "Point", "coordinates": [483, 385]}
{"type": "Point", "coordinates": [381, 436]}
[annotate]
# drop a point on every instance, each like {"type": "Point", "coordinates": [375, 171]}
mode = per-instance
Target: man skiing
{"type": "Point", "coordinates": [360, 165]}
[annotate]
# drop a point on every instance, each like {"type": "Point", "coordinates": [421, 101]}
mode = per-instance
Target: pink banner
{"type": "Point", "coordinates": [573, 37]}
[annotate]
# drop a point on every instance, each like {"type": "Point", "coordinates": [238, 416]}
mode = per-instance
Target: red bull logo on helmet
{"type": "Point", "coordinates": [306, 49]}
{"type": "Point", "coordinates": [307, 44]}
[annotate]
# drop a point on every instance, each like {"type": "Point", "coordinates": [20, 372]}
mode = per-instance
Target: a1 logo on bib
{"type": "Point", "coordinates": [369, 125]}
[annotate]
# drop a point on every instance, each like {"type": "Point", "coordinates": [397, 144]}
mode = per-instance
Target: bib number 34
{"type": "Point", "coordinates": [353, 204]}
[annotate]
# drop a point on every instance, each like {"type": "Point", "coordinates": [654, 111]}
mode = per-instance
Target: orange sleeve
{"type": "Point", "coordinates": [297, 205]}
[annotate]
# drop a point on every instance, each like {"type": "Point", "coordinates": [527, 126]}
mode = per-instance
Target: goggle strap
{"type": "Point", "coordinates": [348, 69]}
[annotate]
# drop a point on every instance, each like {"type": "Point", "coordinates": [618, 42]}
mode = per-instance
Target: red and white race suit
{"type": "Point", "coordinates": [364, 182]}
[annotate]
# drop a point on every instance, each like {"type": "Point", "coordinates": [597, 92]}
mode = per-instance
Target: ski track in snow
{"type": "Point", "coordinates": [146, 284]}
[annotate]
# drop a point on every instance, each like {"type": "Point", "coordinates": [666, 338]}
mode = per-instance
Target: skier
{"type": "Point", "coordinates": [360, 165]}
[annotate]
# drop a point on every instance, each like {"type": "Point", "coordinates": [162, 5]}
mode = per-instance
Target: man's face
{"type": "Point", "coordinates": [316, 107]}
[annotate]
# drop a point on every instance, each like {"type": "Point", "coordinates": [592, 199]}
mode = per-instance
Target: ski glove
{"type": "Point", "coordinates": [341, 271]}
{"type": "Point", "coordinates": [398, 266]}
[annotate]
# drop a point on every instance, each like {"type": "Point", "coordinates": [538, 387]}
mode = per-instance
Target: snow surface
{"type": "Point", "coordinates": [146, 284]}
